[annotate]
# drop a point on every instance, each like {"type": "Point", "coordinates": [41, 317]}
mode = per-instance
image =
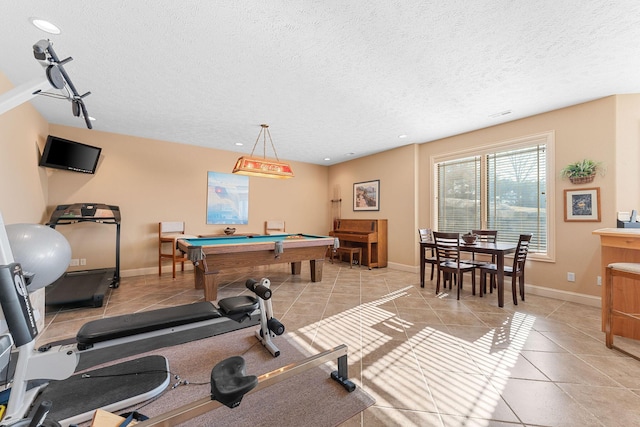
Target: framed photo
{"type": "Point", "coordinates": [582, 204]}
{"type": "Point", "coordinates": [227, 198]}
{"type": "Point", "coordinates": [366, 196]}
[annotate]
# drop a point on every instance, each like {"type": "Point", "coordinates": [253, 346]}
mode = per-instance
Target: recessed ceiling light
{"type": "Point", "coordinates": [402, 136]}
{"type": "Point", "coordinates": [93, 119]}
{"type": "Point", "coordinates": [239, 144]}
{"type": "Point", "coordinates": [326, 159]}
{"type": "Point", "coordinates": [351, 154]}
{"type": "Point", "coordinates": [45, 26]}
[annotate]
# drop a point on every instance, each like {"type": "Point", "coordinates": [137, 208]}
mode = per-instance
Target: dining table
{"type": "Point", "coordinates": [498, 249]}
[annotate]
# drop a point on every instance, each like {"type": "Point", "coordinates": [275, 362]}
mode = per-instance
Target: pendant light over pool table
{"type": "Point", "coordinates": [261, 166]}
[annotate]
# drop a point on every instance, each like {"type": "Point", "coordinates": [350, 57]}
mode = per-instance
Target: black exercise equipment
{"type": "Point", "coordinates": [86, 286]}
{"type": "Point", "coordinates": [229, 381]}
{"type": "Point", "coordinates": [97, 338]}
{"type": "Point", "coordinates": [236, 385]}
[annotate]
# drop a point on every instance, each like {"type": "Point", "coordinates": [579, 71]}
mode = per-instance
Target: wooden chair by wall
{"type": "Point", "coordinates": [168, 233]}
{"type": "Point", "coordinates": [274, 227]}
{"type": "Point", "coordinates": [424, 234]}
{"type": "Point", "coordinates": [515, 271]}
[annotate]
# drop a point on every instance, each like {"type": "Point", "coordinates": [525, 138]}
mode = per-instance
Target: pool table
{"type": "Point", "coordinates": [212, 254]}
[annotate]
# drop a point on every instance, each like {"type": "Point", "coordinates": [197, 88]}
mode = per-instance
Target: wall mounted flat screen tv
{"type": "Point", "coordinates": [74, 156]}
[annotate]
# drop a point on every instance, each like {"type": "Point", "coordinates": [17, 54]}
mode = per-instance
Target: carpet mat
{"type": "Point", "coordinates": [311, 398]}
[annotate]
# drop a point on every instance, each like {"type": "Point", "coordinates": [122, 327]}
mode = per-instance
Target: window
{"type": "Point", "coordinates": [501, 187]}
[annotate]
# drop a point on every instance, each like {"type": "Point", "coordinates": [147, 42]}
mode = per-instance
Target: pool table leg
{"type": "Point", "coordinates": [206, 280]}
{"type": "Point", "coordinates": [316, 269]}
{"type": "Point", "coordinates": [296, 267]}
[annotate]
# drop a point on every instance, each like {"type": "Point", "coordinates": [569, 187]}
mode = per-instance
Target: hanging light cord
{"type": "Point", "coordinates": [264, 132]}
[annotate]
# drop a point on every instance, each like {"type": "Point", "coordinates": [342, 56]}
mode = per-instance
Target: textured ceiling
{"type": "Point", "coordinates": [330, 77]}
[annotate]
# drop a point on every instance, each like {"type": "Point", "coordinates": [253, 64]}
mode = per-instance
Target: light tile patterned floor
{"type": "Point", "coordinates": [428, 360]}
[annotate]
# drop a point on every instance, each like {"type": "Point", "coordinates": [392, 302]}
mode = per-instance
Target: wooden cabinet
{"type": "Point", "coordinates": [621, 245]}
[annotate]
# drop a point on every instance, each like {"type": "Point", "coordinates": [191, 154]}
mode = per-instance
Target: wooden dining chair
{"type": "Point", "coordinates": [168, 233]}
{"type": "Point", "coordinates": [515, 271]}
{"type": "Point", "coordinates": [449, 263]}
{"type": "Point", "coordinates": [489, 236]}
{"type": "Point", "coordinates": [425, 236]}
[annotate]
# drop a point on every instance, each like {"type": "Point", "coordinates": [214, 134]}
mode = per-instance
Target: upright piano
{"type": "Point", "coordinates": [369, 234]}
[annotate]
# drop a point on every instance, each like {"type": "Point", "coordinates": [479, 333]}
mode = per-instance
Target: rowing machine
{"type": "Point", "coordinates": [228, 388]}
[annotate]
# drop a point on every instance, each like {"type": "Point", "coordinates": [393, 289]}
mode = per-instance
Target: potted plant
{"type": "Point", "coordinates": [581, 172]}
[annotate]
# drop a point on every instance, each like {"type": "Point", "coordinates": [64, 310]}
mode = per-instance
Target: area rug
{"type": "Point", "coordinates": [311, 398]}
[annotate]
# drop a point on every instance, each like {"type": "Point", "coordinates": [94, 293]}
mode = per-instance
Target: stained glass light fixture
{"type": "Point", "coordinates": [261, 166]}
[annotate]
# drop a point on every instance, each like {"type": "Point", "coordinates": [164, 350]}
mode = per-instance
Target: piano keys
{"type": "Point", "coordinates": [369, 234]}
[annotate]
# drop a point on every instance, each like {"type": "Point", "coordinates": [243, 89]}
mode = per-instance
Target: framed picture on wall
{"type": "Point", "coordinates": [227, 198]}
{"type": "Point", "coordinates": [366, 196]}
{"type": "Point", "coordinates": [582, 204]}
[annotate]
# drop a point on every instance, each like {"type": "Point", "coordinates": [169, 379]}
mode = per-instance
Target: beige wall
{"type": "Point", "coordinates": [627, 156]}
{"type": "Point", "coordinates": [598, 130]}
{"type": "Point", "coordinates": [149, 180]}
{"type": "Point", "coordinates": [154, 181]}
{"type": "Point", "coordinates": [23, 186]}
{"type": "Point", "coordinates": [582, 131]}
{"type": "Point", "coordinates": [396, 170]}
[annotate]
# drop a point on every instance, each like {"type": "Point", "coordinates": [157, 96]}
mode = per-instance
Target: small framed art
{"type": "Point", "coordinates": [582, 204]}
{"type": "Point", "coordinates": [366, 196]}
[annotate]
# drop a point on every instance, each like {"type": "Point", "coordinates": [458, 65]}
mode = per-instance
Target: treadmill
{"type": "Point", "coordinates": [85, 287]}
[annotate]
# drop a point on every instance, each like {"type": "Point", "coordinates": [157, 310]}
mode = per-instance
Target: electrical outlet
{"type": "Point", "coordinates": [74, 262]}
{"type": "Point", "coordinates": [83, 261]}
{"type": "Point", "coordinates": [599, 281]}
{"type": "Point", "coordinates": [571, 277]}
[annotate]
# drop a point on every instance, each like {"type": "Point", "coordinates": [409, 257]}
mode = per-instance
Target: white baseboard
{"type": "Point", "coordinates": [152, 270]}
{"type": "Point", "coordinates": [590, 300]}
{"type": "Point", "coordinates": [593, 301]}
{"type": "Point", "coordinates": [404, 267]}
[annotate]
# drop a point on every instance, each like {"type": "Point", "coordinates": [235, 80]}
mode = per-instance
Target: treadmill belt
{"type": "Point", "coordinates": [85, 287]}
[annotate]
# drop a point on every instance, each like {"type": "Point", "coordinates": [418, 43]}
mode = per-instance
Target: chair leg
{"type": "Point", "coordinates": [432, 268]}
{"type": "Point", "coordinates": [522, 287]}
{"type": "Point", "coordinates": [459, 283]}
{"type": "Point", "coordinates": [438, 283]}
{"type": "Point", "coordinates": [173, 261]}
{"type": "Point", "coordinates": [483, 283]}
{"type": "Point", "coordinates": [473, 282]}
{"type": "Point", "coordinates": [514, 290]}
{"type": "Point", "coordinates": [608, 320]}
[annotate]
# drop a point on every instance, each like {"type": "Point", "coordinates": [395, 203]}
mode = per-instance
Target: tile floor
{"type": "Point", "coordinates": [427, 360]}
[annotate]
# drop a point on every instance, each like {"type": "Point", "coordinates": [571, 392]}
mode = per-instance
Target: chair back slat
{"type": "Point", "coordinates": [522, 250]}
{"type": "Point", "coordinates": [447, 247]}
{"type": "Point", "coordinates": [490, 236]}
{"type": "Point", "coordinates": [172, 227]}
{"type": "Point", "coordinates": [425, 235]}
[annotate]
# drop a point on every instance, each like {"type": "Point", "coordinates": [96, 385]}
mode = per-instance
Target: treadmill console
{"type": "Point", "coordinates": [78, 212]}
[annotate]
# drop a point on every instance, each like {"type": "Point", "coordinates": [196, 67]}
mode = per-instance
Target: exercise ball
{"type": "Point", "coordinates": [41, 251]}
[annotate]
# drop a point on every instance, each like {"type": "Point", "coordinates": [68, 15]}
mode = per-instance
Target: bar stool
{"type": "Point", "coordinates": [625, 270]}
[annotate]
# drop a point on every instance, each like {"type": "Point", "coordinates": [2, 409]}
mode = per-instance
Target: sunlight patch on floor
{"type": "Point", "coordinates": [431, 369]}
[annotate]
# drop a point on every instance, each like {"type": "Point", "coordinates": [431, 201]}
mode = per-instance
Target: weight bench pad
{"type": "Point", "coordinates": [239, 305]}
{"type": "Point", "coordinates": [146, 321]}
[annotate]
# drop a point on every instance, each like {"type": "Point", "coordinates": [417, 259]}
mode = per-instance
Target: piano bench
{"type": "Point", "coordinates": [352, 252]}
